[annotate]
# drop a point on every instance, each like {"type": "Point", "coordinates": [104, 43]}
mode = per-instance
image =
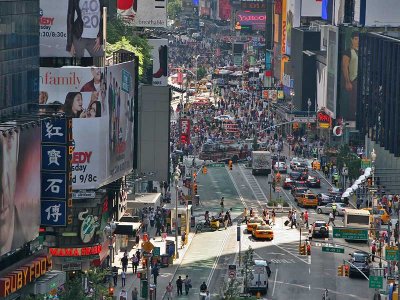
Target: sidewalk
{"type": "Point", "coordinates": [165, 274]}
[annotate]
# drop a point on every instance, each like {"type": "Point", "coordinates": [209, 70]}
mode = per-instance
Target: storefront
{"type": "Point", "coordinates": [26, 278]}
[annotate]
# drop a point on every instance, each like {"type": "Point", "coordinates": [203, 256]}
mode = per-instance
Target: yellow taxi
{"type": "Point", "coordinates": [385, 217]}
{"type": "Point", "coordinates": [263, 232]}
{"type": "Point", "coordinates": [307, 200]}
{"type": "Point", "coordinates": [252, 223]}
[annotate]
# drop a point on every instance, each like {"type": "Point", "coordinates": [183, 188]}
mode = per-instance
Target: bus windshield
{"type": "Point", "coordinates": [356, 218]}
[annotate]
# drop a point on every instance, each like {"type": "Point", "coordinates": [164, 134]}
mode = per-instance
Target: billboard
{"type": "Point", "coordinates": [224, 10]}
{"type": "Point", "coordinates": [253, 5]}
{"type": "Point", "coordinates": [256, 20]}
{"type": "Point", "coordinates": [20, 188]}
{"type": "Point", "coordinates": [332, 70]}
{"type": "Point", "coordinates": [311, 8]}
{"type": "Point", "coordinates": [292, 20]}
{"type": "Point", "coordinates": [159, 54]}
{"type": "Point", "coordinates": [283, 30]}
{"type": "Point", "coordinates": [377, 13]}
{"type": "Point", "coordinates": [101, 103]}
{"type": "Point", "coordinates": [321, 84]}
{"type": "Point", "coordinates": [71, 28]}
{"type": "Point", "coordinates": [143, 13]}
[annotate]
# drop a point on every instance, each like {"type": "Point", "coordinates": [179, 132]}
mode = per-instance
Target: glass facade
{"type": "Point", "coordinates": [19, 52]}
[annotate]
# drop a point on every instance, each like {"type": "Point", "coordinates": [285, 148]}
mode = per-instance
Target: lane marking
{"type": "Point", "coordinates": [283, 249]}
{"type": "Point", "coordinates": [276, 275]}
{"type": "Point", "coordinates": [236, 187]}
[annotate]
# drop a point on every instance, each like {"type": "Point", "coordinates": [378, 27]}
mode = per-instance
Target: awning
{"type": "Point", "coordinates": [139, 201]}
{"type": "Point", "coordinates": [350, 191]}
{"type": "Point", "coordinates": [127, 228]}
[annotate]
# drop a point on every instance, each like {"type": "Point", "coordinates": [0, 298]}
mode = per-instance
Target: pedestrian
{"type": "Point", "coordinates": [188, 284]}
{"type": "Point", "coordinates": [135, 293]}
{"type": "Point", "coordinates": [331, 219]}
{"type": "Point", "coordinates": [179, 285]}
{"type": "Point", "coordinates": [203, 287]}
{"type": "Point", "coordinates": [123, 278]}
{"type": "Point", "coordinates": [155, 271]}
{"type": "Point", "coordinates": [115, 275]}
{"type": "Point", "coordinates": [183, 238]}
{"type": "Point", "coordinates": [226, 219]}
{"type": "Point", "coordinates": [273, 214]}
{"type": "Point", "coordinates": [222, 204]}
{"type": "Point", "coordinates": [334, 207]}
{"type": "Point", "coordinates": [169, 290]}
{"type": "Point", "coordinates": [124, 262]}
{"type": "Point", "coordinates": [306, 218]}
{"type": "Point", "coordinates": [208, 296]}
{"type": "Point", "coordinates": [373, 250]}
{"type": "Point", "coordinates": [294, 220]}
{"type": "Point", "coordinates": [135, 263]}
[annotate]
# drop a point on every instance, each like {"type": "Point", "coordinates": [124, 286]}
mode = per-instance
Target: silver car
{"type": "Point", "coordinates": [326, 209]}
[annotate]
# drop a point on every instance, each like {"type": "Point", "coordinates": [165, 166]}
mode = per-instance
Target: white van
{"type": "Point", "coordinates": [258, 279]}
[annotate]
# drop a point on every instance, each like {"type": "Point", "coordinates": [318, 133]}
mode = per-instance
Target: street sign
{"type": "Point", "coordinates": [147, 254]}
{"type": "Point", "coordinates": [245, 295]}
{"type": "Point", "coordinates": [232, 274]}
{"type": "Point", "coordinates": [375, 282]}
{"type": "Point", "coordinates": [350, 233]}
{"type": "Point", "coordinates": [156, 251]}
{"type": "Point", "coordinates": [278, 189]}
{"type": "Point", "coordinates": [391, 253]}
{"type": "Point", "coordinates": [216, 165]}
{"type": "Point", "coordinates": [365, 163]}
{"type": "Point", "coordinates": [238, 233]}
{"type": "Point", "coordinates": [332, 249]}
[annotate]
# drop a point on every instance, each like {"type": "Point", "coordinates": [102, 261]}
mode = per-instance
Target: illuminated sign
{"type": "Point", "coordinates": [85, 251]}
{"type": "Point", "coordinates": [24, 275]}
{"type": "Point", "coordinates": [253, 4]}
{"type": "Point", "coordinates": [324, 120]}
{"type": "Point", "coordinates": [255, 19]}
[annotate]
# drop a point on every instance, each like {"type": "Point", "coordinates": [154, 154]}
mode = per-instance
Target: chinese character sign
{"type": "Point", "coordinates": [54, 185]}
{"type": "Point", "coordinates": [53, 213]}
{"type": "Point", "coordinates": [54, 131]}
{"type": "Point", "coordinates": [54, 158]}
{"type": "Point", "coordinates": [185, 131]}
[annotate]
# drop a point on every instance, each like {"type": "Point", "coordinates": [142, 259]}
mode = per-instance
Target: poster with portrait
{"type": "Point", "coordinates": [71, 28]}
{"type": "Point", "coordinates": [121, 99]}
{"type": "Point", "coordinates": [19, 207]}
{"type": "Point", "coordinates": [292, 21]}
{"type": "Point", "coordinates": [81, 93]}
{"type": "Point", "coordinates": [159, 54]}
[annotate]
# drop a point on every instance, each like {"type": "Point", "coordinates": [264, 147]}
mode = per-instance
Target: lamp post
{"type": "Point", "coordinates": [308, 110]}
{"type": "Point", "coordinates": [196, 58]}
{"type": "Point", "coordinates": [177, 174]}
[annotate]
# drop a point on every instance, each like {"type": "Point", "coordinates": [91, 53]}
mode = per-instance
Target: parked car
{"type": "Point", "coordinates": [298, 184]}
{"type": "Point", "coordinates": [362, 261]}
{"type": "Point", "coordinates": [320, 229]}
{"type": "Point", "coordinates": [314, 182]}
{"type": "Point", "coordinates": [297, 176]}
{"type": "Point", "coordinates": [324, 199]}
{"type": "Point", "coordinates": [326, 209]}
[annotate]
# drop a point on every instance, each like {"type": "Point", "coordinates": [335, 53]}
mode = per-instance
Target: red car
{"type": "Point", "coordinates": [287, 184]}
{"type": "Point", "coordinates": [313, 182]}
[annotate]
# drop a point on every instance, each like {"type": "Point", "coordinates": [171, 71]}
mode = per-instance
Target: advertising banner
{"type": "Point", "coordinates": [185, 131]}
{"type": "Point", "coordinates": [82, 93]}
{"type": "Point", "coordinates": [254, 19]}
{"type": "Point", "coordinates": [71, 28]}
{"type": "Point", "coordinates": [283, 30]}
{"type": "Point", "coordinates": [159, 54]}
{"type": "Point", "coordinates": [292, 20]}
{"type": "Point", "coordinates": [311, 8]}
{"type": "Point", "coordinates": [20, 188]}
{"type": "Point", "coordinates": [378, 13]}
{"type": "Point", "coordinates": [253, 5]}
{"type": "Point", "coordinates": [332, 71]}
{"type": "Point", "coordinates": [224, 10]}
{"type": "Point", "coordinates": [321, 85]}
{"type": "Point", "coordinates": [143, 13]}
{"type": "Point", "coordinates": [121, 99]}
{"type": "Point", "coordinates": [53, 213]}
{"type": "Point", "coordinates": [101, 103]}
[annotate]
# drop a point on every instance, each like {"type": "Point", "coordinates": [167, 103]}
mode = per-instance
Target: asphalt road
{"type": "Point", "coordinates": [293, 276]}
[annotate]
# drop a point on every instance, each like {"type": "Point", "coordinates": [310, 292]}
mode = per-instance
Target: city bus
{"type": "Point", "coordinates": [357, 219]}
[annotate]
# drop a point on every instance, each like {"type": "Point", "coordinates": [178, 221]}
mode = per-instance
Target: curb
{"type": "Point", "coordinates": [178, 265]}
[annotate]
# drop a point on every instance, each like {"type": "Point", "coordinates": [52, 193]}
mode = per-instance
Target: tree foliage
{"type": "Point", "coordinates": [174, 9]}
{"type": "Point", "coordinates": [201, 72]}
{"type": "Point", "coordinates": [120, 35]}
{"type": "Point", "coordinates": [352, 161]}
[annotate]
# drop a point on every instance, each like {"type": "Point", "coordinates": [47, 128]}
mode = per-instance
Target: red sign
{"type": "Point", "coordinates": [25, 274]}
{"type": "Point", "coordinates": [324, 120]}
{"type": "Point", "coordinates": [180, 78]}
{"type": "Point", "coordinates": [224, 10]}
{"type": "Point", "coordinates": [85, 251]}
{"type": "Point", "coordinates": [278, 7]}
{"type": "Point", "coordinates": [185, 131]}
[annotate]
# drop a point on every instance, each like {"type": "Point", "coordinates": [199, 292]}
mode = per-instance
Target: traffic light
{"type": "Point", "coordinates": [346, 270]}
{"type": "Point", "coordinates": [340, 270]}
{"type": "Point", "coordinates": [309, 125]}
{"type": "Point", "coordinates": [110, 291]}
{"type": "Point", "coordinates": [195, 188]}
{"type": "Point", "coordinates": [302, 249]}
{"type": "Point", "coordinates": [308, 249]}
{"type": "Point", "coordinates": [230, 163]}
{"type": "Point", "coordinates": [204, 170]}
{"type": "Point", "coordinates": [278, 177]}
{"type": "Point", "coordinates": [194, 176]}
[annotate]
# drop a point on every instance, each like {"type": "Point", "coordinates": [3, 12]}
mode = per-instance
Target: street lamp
{"type": "Point", "coordinates": [196, 58]}
{"type": "Point", "coordinates": [373, 159]}
{"type": "Point", "coordinates": [177, 174]}
{"type": "Point", "coordinates": [308, 114]}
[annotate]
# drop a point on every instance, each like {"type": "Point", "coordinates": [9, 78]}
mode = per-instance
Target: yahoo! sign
{"type": "Point", "coordinates": [255, 19]}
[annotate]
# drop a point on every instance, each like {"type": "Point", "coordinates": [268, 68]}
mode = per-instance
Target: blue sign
{"type": "Point", "coordinates": [54, 131]}
{"type": "Point", "coordinates": [54, 158]}
{"type": "Point", "coordinates": [53, 213]}
{"type": "Point", "coordinates": [54, 185]}
{"type": "Point", "coordinates": [126, 81]}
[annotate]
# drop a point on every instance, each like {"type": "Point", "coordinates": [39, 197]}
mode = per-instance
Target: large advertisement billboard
{"type": "Point", "coordinates": [101, 102]}
{"type": "Point", "coordinates": [292, 20]}
{"type": "Point", "coordinates": [224, 10]}
{"type": "Point", "coordinates": [143, 13]}
{"type": "Point", "coordinates": [332, 70]}
{"type": "Point", "coordinates": [254, 19]}
{"type": "Point", "coordinates": [283, 30]}
{"type": "Point", "coordinates": [19, 207]}
{"type": "Point", "coordinates": [377, 13]}
{"type": "Point", "coordinates": [71, 28]}
{"type": "Point", "coordinates": [321, 85]}
{"type": "Point", "coordinates": [159, 54]}
{"type": "Point", "coordinates": [311, 8]}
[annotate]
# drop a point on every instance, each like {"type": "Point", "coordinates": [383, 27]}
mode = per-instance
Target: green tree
{"type": "Point", "coordinates": [231, 289]}
{"type": "Point", "coordinates": [174, 9]}
{"type": "Point", "coordinates": [201, 72]}
{"type": "Point", "coordinates": [121, 35]}
{"type": "Point", "coordinates": [73, 289]}
{"type": "Point", "coordinates": [352, 161]}
{"type": "Point", "coordinates": [248, 263]}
